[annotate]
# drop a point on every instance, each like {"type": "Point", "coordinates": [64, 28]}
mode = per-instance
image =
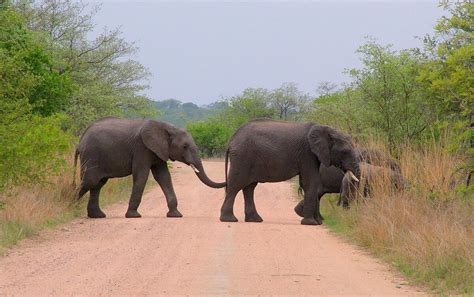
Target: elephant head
{"type": "Point", "coordinates": [176, 144]}
{"type": "Point", "coordinates": [332, 147]}
{"type": "Point", "coordinates": [371, 174]}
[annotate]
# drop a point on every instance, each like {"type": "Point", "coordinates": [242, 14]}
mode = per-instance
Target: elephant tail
{"type": "Point", "coordinates": [300, 188]}
{"type": "Point", "coordinates": [76, 155]}
{"type": "Point", "coordinates": [226, 167]}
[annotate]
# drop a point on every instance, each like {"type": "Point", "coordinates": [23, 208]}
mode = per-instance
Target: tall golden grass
{"type": "Point", "coordinates": [28, 209]}
{"type": "Point", "coordinates": [427, 229]}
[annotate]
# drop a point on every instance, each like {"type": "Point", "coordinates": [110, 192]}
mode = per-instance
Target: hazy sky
{"type": "Point", "coordinates": [200, 51]}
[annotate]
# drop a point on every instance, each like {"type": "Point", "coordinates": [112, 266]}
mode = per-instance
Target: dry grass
{"type": "Point", "coordinates": [425, 230]}
{"type": "Point", "coordinates": [26, 210]}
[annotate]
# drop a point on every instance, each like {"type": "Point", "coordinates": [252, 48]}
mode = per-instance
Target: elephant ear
{"type": "Point", "coordinates": [156, 138]}
{"type": "Point", "coordinates": [318, 138]}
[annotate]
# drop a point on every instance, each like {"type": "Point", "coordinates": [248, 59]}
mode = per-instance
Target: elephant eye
{"type": "Point", "coordinates": [185, 146]}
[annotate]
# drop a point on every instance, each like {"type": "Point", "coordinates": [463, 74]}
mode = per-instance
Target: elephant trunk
{"type": "Point", "coordinates": [201, 174]}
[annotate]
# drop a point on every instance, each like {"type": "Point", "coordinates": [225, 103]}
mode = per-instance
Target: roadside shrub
{"type": "Point", "coordinates": [31, 149]}
{"type": "Point", "coordinates": [211, 136]}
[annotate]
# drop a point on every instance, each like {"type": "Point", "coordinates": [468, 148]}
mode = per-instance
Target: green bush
{"type": "Point", "coordinates": [211, 136]}
{"type": "Point", "coordinates": [31, 149]}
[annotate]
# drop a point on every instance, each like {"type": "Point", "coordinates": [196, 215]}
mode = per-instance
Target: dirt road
{"type": "Point", "coordinates": [196, 254]}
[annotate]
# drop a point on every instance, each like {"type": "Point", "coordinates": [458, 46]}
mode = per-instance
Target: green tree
{"type": "Point", "coordinates": [341, 109]}
{"type": "Point", "coordinates": [251, 104]}
{"type": "Point", "coordinates": [288, 101]}
{"type": "Point", "coordinates": [107, 81]}
{"type": "Point", "coordinates": [447, 76]}
{"type": "Point", "coordinates": [384, 98]}
{"type": "Point", "coordinates": [31, 90]}
{"type": "Point", "coordinates": [27, 70]}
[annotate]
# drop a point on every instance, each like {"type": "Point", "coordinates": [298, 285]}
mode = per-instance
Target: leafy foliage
{"type": "Point", "coordinates": [54, 81]}
{"type": "Point", "coordinates": [106, 81]}
{"type": "Point", "coordinates": [447, 76]}
{"type": "Point", "coordinates": [27, 69]}
{"type": "Point", "coordinates": [32, 149]}
{"type": "Point", "coordinates": [211, 136]}
{"type": "Point", "coordinates": [384, 98]}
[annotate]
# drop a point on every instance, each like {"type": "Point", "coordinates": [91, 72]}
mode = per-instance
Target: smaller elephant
{"type": "Point", "coordinates": [331, 177]}
{"type": "Point", "coordinates": [370, 174]}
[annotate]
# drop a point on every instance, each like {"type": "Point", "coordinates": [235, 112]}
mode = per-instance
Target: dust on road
{"type": "Point", "coordinates": [196, 254]}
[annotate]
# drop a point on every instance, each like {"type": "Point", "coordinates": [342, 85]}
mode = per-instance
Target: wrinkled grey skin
{"type": "Point", "coordinates": [369, 173]}
{"type": "Point", "coordinates": [114, 147]}
{"type": "Point", "coordinates": [273, 151]}
{"type": "Point", "coordinates": [331, 177]}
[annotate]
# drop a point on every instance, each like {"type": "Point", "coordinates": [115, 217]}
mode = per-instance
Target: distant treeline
{"type": "Point", "coordinates": [180, 114]}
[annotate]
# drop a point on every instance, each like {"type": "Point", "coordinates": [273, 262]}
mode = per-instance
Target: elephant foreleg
{"type": "Point", "coordinates": [139, 181]}
{"type": "Point", "coordinates": [163, 177]}
{"type": "Point", "coordinates": [251, 214]}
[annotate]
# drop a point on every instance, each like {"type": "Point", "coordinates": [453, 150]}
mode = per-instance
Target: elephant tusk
{"type": "Point", "coordinates": [352, 176]}
{"type": "Point", "coordinates": [194, 168]}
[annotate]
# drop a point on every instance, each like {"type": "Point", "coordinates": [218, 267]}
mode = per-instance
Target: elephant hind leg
{"type": "Point", "coordinates": [236, 181]}
{"type": "Point", "coordinates": [93, 208]}
{"type": "Point", "coordinates": [299, 209]}
{"type": "Point", "coordinates": [140, 176]}
{"type": "Point", "coordinates": [251, 214]}
{"type": "Point", "coordinates": [227, 209]}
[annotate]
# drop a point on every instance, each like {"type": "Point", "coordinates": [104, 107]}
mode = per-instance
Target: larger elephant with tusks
{"type": "Point", "coordinates": [273, 151]}
{"type": "Point", "coordinates": [114, 147]}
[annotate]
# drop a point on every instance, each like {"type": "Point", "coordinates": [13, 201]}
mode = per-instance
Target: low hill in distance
{"type": "Point", "coordinates": [179, 113]}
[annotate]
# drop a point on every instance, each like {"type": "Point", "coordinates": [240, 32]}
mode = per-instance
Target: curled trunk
{"type": "Point", "coordinates": [201, 174]}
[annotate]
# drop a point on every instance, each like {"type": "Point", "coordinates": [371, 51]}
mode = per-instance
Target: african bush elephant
{"type": "Point", "coordinates": [370, 175]}
{"type": "Point", "coordinates": [114, 147]}
{"type": "Point", "coordinates": [272, 151]}
{"type": "Point", "coordinates": [331, 177]}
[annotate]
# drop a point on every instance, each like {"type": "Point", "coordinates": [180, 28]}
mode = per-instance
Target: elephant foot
{"type": "Point", "coordinates": [299, 209]}
{"type": "Point", "coordinates": [133, 214]}
{"type": "Point", "coordinates": [228, 218]}
{"type": "Point", "coordinates": [255, 218]}
{"type": "Point", "coordinates": [310, 221]}
{"type": "Point", "coordinates": [321, 218]}
{"type": "Point", "coordinates": [95, 214]}
{"type": "Point", "coordinates": [174, 214]}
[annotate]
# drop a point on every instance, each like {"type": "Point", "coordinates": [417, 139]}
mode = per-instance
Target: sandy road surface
{"type": "Point", "coordinates": [196, 254]}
